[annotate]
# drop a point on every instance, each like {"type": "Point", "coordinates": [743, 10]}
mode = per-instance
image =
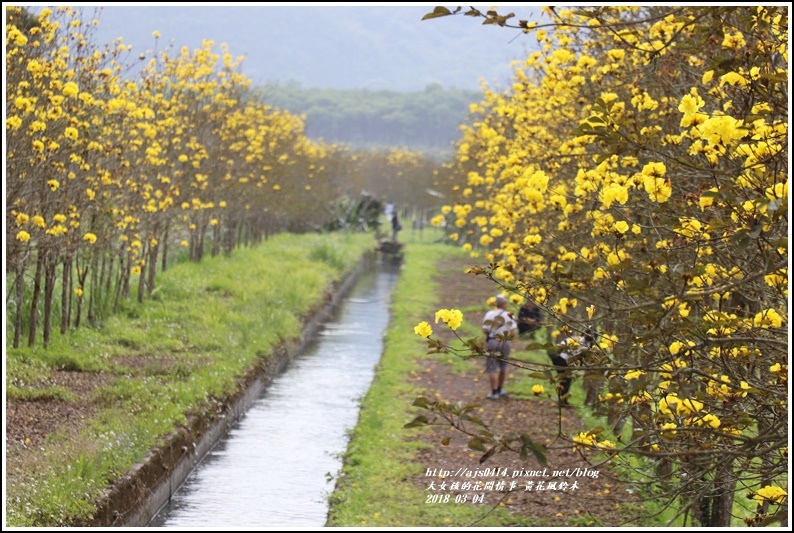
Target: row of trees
{"type": "Point", "coordinates": [422, 120]}
{"type": "Point", "coordinates": [407, 178]}
{"type": "Point", "coordinates": [635, 179]}
{"type": "Point", "coordinates": [107, 171]}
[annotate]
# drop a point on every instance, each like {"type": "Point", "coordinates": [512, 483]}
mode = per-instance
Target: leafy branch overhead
{"type": "Point", "coordinates": [490, 16]}
{"type": "Point", "coordinates": [481, 439]}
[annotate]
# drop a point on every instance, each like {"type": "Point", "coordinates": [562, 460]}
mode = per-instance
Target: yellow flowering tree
{"type": "Point", "coordinates": [105, 169]}
{"type": "Point", "coordinates": [634, 178]}
{"type": "Point", "coordinates": [400, 176]}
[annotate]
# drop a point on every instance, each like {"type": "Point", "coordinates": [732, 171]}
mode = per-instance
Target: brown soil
{"type": "Point", "coordinates": [29, 422]}
{"type": "Point", "coordinates": [594, 502]}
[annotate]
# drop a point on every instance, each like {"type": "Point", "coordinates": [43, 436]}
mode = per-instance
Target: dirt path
{"type": "Point", "coordinates": [593, 502]}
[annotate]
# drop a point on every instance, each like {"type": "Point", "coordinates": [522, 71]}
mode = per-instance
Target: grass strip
{"type": "Point", "coordinates": [374, 488]}
{"type": "Point", "coordinates": [179, 353]}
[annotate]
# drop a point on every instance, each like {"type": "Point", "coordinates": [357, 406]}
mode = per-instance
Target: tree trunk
{"type": "Point", "coordinates": [214, 249]}
{"type": "Point", "coordinates": [111, 262]}
{"type": "Point", "coordinates": [151, 266]}
{"type": "Point", "coordinates": [246, 230]}
{"type": "Point", "coordinates": [200, 250]}
{"type": "Point", "coordinates": [714, 507]}
{"type": "Point", "coordinates": [93, 283]}
{"type": "Point", "coordinates": [165, 248]}
{"type": "Point", "coordinates": [119, 284]}
{"type": "Point", "coordinates": [193, 246]}
{"type": "Point", "coordinates": [20, 295]}
{"type": "Point", "coordinates": [49, 289]}
{"type": "Point", "coordinates": [127, 272]}
{"type": "Point", "coordinates": [71, 297]}
{"type": "Point", "coordinates": [142, 275]}
{"type": "Point", "coordinates": [81, 277]}
{"type": "Point", "coordinates": [100, 294]}
{"type": "Point", "coordinates": [228, 241]}
{"type": "Point", "coordinates": [65, 299]}
{"type": "Point", "coordinates": [34, 303]}
{"type": "Point", "coordinates": [615, 418]}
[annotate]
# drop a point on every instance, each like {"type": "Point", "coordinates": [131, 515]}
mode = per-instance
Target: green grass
{"type": "Point", "coordinates": [175, 354]}
{"type": "Point", "coordinates": [372, 489]}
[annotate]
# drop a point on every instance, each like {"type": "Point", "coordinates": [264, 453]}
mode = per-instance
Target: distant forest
{"type": "Point", "coordinates": [424, 120]}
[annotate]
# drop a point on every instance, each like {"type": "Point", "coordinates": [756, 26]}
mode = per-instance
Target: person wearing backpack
{"type": "Point", "coordinates": [498, 326]}
{"type": "Point", "coordinates": [566, 350]}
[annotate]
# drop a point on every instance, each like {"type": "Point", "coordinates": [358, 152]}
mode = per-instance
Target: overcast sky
{"type": "Point", "coordinates": [338, 46]}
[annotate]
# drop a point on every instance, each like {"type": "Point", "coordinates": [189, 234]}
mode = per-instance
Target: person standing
{"type": "Point", "coordinates": [528, 318]}
{"type": "Point", "coordinates": [566, 349]}
{"type": "Point", "coordinates": [498, 326]}
{"type": "Point", "coordinates": [395, 226]}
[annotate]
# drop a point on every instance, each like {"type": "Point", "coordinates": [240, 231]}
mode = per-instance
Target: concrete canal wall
{"type": "Point", "coordinates": [134, 499]}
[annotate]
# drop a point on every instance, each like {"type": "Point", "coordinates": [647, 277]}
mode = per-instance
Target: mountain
{"type": "Point", "coordinates": [426, 120]}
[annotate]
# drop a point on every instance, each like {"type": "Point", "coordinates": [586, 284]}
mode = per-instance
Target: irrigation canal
{"type": "Point", "coordinates": [277, 465]}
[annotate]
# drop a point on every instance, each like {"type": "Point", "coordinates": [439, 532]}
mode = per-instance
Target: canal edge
{"type": "Point", "coordinates": [135, 498]}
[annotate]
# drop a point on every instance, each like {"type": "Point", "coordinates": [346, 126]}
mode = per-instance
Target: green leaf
{"type": "Point", "coordinates": [439, 11]}
{"type": "Point", "coordinates": [539, 453]}
{"type": "Point", "coordinates": [777, 77]}
{"type": "Point", "coordinates": [718, 223]}
{"type": "Point", "coordinates": [476, 444]}
{"type": "Point", "coordinates": [636, 286]}
{"type": "Point", "coordinates": [445, 441]}
{"type": "Point", "coordinates": [420, 420]}
{"type": "Point", "coordinates": [585, 129]}
{"type": "Point", "coordinates": [535, 345]}
{"type": "Point", "coordinates": [473, 419]}
{"type": "Point", "coordinates": [423, 402]}
{"type": "Point", "coordinates": [488, 454]}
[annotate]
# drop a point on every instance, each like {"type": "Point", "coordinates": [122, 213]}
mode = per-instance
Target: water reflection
{"type": "Point", "coordinates": [276, 466]}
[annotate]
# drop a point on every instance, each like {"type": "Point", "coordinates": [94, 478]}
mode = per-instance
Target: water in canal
{"type": "Point", "coordinates": [276, 465]}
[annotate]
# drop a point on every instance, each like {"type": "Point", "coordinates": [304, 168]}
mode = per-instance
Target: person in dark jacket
{"type": "Point", "coordinates": [566, 349]}
{"type": "Point", "coordinates": [529, 317]}
{"type": "Point", "coordinates": [395, 226]}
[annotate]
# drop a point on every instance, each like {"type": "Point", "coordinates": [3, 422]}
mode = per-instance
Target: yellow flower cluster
{"type": "Point", "coordinates": [771, 493]}
{"type": "Point", "coordinates": [451, 317]}
{"type": "Point", "coordinates": [423, 329]}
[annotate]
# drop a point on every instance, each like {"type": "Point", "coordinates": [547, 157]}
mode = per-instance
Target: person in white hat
{"type": "Point", "coordinates": [498, 326]}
